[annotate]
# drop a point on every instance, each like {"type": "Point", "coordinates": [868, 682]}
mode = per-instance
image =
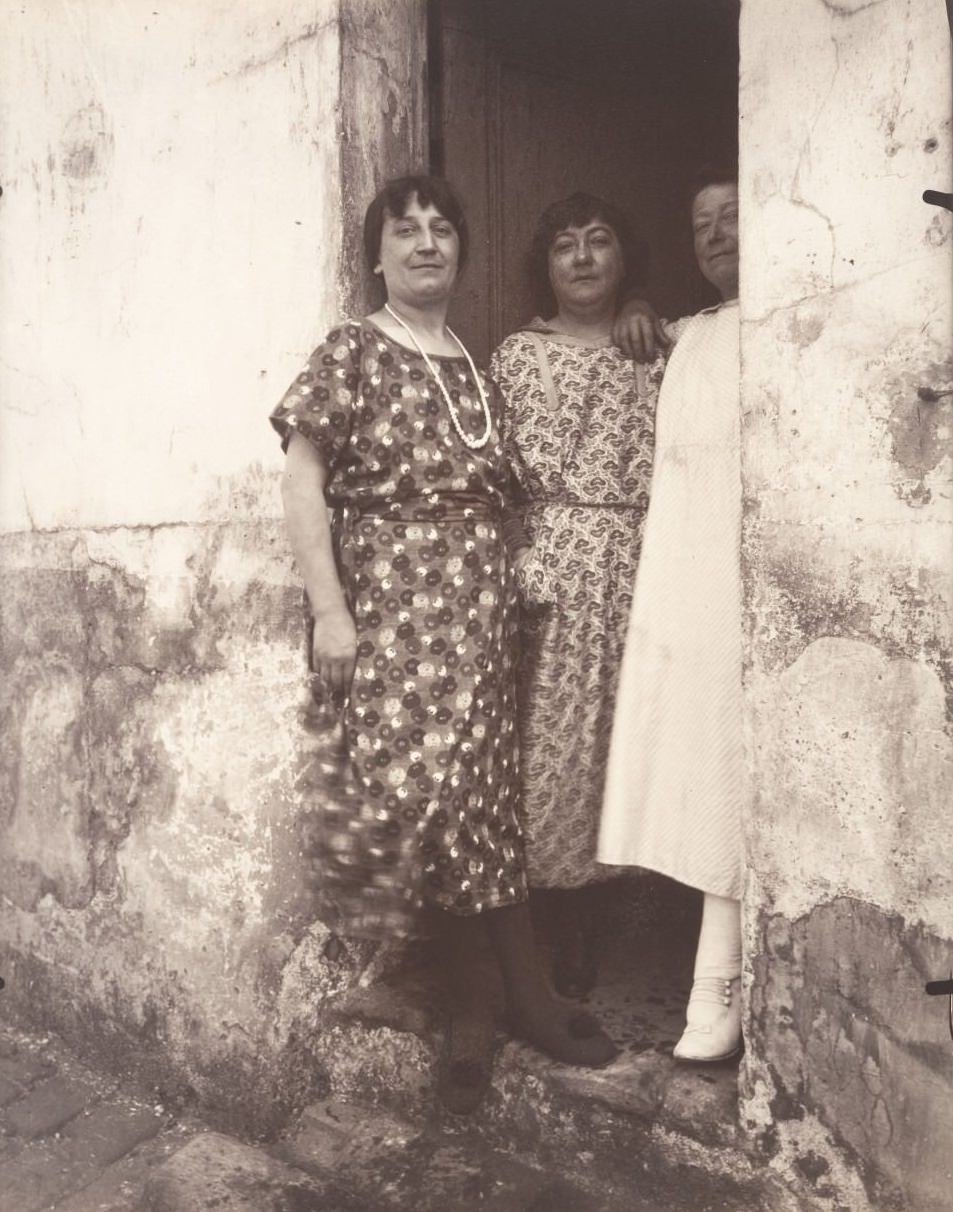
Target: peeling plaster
{"type": "Point", "coordinates": [922, 430]}
{"type": "Point", "coordinates": [866, 1052]}
{"type": "Point", "coordinates": [854, 780]}
{"type": "Point", "coordinates": [797, 600]}
{"type": "Point", "coordinates": [86, 148]}
{"type": "Point", "coordinates": [847, 307]}
{"type": "Point", "coordinates": [178, 829]}
{"type": "Point", "coordinates": [149, 604]}
{"type": "Point", "coordinates": [806, 325]}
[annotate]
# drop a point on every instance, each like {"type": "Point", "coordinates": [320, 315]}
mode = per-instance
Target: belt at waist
{"type": "Point", "coordinates": [562, 503]}
{"type": "Point", "coordinates": [460, 508]}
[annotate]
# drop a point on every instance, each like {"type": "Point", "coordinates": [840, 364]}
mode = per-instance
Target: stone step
{"type": "Point", "coordinates": [559, 1119]}
{"type": "Point", "coordinates": [387, 1162]}
{"type": "Point", "coordinates": [220, 1172]}
{"type": "Point", "coordinates": [381, 1040]}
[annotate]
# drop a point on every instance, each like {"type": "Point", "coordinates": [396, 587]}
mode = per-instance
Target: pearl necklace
{"type": "Point", "coordinates": [465, 438]}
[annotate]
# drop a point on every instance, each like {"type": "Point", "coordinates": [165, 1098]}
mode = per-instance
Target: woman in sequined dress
{"type": "Point", "coordinates": [392, 429]}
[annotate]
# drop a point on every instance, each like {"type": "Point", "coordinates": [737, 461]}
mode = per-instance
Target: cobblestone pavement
{"type": "Point", "coordinates": [71, 1139]}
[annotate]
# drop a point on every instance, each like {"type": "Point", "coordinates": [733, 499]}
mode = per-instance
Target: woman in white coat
{"type": "Point", "coordinates": [675, 780]}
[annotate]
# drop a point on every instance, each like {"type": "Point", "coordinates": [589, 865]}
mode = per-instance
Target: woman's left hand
{"type": "Point", "coordinates": [638, 331]}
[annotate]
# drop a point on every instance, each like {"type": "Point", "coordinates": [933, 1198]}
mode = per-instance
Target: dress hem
{"type": "Point", "coordinates": [712, 887]}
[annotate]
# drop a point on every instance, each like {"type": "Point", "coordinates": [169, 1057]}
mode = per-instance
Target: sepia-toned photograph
{"type": "Point", "coordinates": [476, 606]}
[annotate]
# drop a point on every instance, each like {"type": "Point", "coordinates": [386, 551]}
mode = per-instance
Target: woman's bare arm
{"type": "Point", "coordinates": [309, 527]}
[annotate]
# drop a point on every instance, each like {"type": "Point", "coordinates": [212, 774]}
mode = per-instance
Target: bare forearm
{"type": "Point", "coordinates": [309, 528]}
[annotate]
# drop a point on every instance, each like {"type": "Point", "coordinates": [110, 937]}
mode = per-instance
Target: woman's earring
{"type": "Point", "coordinates": [378, 269]}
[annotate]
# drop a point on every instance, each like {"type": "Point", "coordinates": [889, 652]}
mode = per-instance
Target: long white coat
{"type": "Point", "coordinates": [675, 780]}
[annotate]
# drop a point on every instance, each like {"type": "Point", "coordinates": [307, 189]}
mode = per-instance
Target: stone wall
{"type": "Point", "coordinates": [847, 313]}
{"type": "Point", "coordinates": [173, 247]}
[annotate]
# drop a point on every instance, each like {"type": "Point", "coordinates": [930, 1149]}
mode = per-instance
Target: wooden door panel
{"type": "Point", "coordinates": [533, 102]}
{"type": "Point", "coordinates": [466, 131]}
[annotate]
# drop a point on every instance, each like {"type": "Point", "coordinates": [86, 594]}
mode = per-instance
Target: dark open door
{"type": "Point", "coordinates": [534, 99]}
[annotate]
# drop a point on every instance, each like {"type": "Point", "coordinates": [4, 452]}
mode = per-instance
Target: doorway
{"type": "Point", "coordinates": [531, 100]}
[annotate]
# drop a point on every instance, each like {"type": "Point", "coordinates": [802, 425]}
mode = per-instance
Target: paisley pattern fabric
{"type": "Point", "coordinates": [414, 790]}
{"type": "Point", "coordinates": [584, 471]}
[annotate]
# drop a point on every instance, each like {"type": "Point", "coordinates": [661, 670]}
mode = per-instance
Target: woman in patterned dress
{"type": "Point", "coordinates": [578, 434]}
{"type": "Point", "coordinates": [392, 428]}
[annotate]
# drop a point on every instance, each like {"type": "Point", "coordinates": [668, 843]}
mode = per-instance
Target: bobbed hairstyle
{"type": "Point", "coordinates": [394, 198]}
{"type": "Point", "coordinates": [720, 172]}
{"type": "Point", "coordinates": [578, 210]}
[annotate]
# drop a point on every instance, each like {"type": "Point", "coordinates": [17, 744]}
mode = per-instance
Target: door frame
{"type": "Point", "coordinates": [383, 123]}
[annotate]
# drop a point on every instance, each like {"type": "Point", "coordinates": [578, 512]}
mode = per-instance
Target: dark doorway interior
{"type": "Point", "coordinates": [531, 100]}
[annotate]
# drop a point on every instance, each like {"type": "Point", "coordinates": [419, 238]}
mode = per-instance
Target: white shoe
{"type": "Point", "coordinates": [713, 1021]}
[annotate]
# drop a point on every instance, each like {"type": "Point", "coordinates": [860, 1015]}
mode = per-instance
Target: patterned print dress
{"type": "Point", "coordinates": [583, 462]}
{"type": "Point", "coordinates": [420, 810]}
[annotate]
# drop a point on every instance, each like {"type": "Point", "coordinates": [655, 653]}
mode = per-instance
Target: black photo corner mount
{"type": "Point", "coordinates": [938, 989]}
{"type": "Point", "coordinates": [935, 198]}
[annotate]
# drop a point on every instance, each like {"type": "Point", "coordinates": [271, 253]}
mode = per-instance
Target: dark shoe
{"type": "Point", "coordinates": [582, 1025]}
{"type": "Point", "coordinates": [465, 1065]}
{"type": "Point", "coordinates": [576, 1038]}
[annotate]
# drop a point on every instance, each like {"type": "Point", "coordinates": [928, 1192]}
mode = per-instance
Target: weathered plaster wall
{"type": "Point", "coordinates": [170, 193]}
{"type": "Point", "coordinates": [847, 311]}
{"type": "Point", "coordinates": [173, 192]}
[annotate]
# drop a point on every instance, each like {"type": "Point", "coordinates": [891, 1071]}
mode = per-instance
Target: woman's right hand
{"type": "Point", "coordinates": [532, 583]}
{"type": "Point", "coordinates": [520, 558]}
{"type": "Point", "coordinates": [334, 650]}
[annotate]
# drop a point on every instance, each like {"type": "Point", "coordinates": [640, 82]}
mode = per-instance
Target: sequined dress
{"type": "Point", "coordinates": [421, 810]}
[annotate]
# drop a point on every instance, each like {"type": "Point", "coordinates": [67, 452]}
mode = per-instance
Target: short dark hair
{"type": "Point", "coordinates": [721, 172]}
{"type": "Point", "coordinates": [576, 211]}
{"type": "Point", "coordinates": [394, 198]}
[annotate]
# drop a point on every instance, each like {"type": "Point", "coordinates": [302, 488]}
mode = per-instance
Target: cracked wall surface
{"type": "Point", "coordinates": [847, 351]}
{"type": "Point", "coordinates": [170, 186]}
{"type": "Point", "coordinates": [173, 193]}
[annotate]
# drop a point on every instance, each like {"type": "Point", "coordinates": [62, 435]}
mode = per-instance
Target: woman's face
{"type": "Point", "coordinates": [586, 266]}
{"type": "Point", "coordinates": [419, 254]}
{"type": "Point", "coordinates": [715, 229]}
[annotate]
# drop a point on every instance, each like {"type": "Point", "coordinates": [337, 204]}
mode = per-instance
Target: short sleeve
{"type": "Point", "coordinates": [673, 329]}
{"type": "Point", "coordinates": [511, 367]}
{"type": "Point", "coordinates": [320, 403]}
{"type": "Point", "coordinates": [499, 374]}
